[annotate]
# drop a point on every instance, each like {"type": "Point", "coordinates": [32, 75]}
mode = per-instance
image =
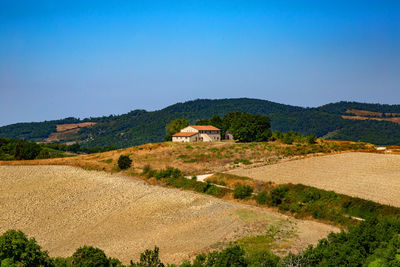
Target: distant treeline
{"type": "Point", "coordinates": [14, 149]}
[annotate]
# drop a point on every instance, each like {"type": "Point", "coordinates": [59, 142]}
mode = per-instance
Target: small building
{"type": "Point", "coordinates": [202, 133]}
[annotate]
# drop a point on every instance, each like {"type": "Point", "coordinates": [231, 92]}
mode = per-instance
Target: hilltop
{"type": "Point", "coordinates": [374, 123]}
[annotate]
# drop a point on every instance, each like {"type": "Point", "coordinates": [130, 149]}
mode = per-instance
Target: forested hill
{"type": "Point", "coordinates": [373, 123]}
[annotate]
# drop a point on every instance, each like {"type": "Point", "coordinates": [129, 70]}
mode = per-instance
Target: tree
{"type": "Point", "coordinates": [16, 248]}
{"type": "Point", "coordinates": [19, 151]}
{"type": "Point", "coordinates": [203, 122]}
{"type": "Point", "coordinates": [247, 127]}
{"type": "Point", "coordinates": [124, 162]}
{"type": "Point", "coordinates": [90, 257]}
{"type": "Point", "coordinates": [149, 258]}
{"type": "Point", "coordinates": [174, 127]}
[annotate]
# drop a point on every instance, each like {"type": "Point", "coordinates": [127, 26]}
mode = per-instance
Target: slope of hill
{"type": "Point", "coordinates": [140, 126]}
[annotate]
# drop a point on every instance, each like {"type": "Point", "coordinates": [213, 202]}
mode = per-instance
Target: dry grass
{"type": "Point", "coordinates": [196, 158]}
{"type": "Point", "coordinates": [65, 207]}
{"type": "Point", "coordinates": [369, 176]}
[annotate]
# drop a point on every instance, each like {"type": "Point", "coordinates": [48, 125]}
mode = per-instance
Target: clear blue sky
{"type": "Point", "coordinates": [91, 58]}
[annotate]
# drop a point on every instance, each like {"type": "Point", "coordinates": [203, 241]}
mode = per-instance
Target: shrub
{"type": "Point", "coordinates": [311, 139]}
{"type": "Point", "coordinates": [90, 256]}
{"type": "Point", "coordinates": [244, 161]}
{"type": "Point", "coordinates": [278, 194]}
{"type": "Point", "coordinates": [16, 249]}
{"type": "Point", "coordinates": [146, 169]}
{"type": "Point", "coordinates": [215, 191]}
{"type": "Point", "coordinates": [242, 191]}
{"type": "Point", "coordinates": [262, 198]}
{"type": "Point", "coordinates": [124, 162]}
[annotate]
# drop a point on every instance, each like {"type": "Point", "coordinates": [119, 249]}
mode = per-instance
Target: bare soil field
{"type": "Point", "coordinates": [65, 207]}
{"type": "Point", "coordinates": [365, 175]}
{"type": "Point", "coordinates": [395, 120]}
{"type": "Point", "coordinates": [65, 127]}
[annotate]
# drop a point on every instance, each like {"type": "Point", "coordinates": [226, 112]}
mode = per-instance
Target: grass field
{"type": "Point", "coordinates": [65, 207]}
{"type": "Point", "coordinates": [369, 176]}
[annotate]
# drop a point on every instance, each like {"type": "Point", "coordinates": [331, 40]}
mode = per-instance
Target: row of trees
{"type": "Point", "coordinates": [374, 242]}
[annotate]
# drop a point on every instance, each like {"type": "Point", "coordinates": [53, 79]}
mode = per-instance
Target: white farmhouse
{"type": "Point", "coordinates": [193, 133]}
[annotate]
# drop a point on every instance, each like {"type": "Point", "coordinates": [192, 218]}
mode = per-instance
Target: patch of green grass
{"type": "Point", "coordinates": [193, 160]}
{"type": "Point", "coordinates": [108, 161]}
{"type": "Point", "coordinates": [244, 161]}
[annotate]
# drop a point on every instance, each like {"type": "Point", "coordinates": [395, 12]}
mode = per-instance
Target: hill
{"type": "Point", "coordinates": [374, 123]}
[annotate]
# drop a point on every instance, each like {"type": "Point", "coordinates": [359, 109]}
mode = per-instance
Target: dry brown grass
{"type": "Point", "coordinates": [194, 158]}
{"type": "Point", "coordinates": [65, 207]}
{"type": "Point", "coordinates": [366, 175]}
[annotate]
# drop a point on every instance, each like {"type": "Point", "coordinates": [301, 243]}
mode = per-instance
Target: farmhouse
{"type": "Point", "coordinates": [193, 133]}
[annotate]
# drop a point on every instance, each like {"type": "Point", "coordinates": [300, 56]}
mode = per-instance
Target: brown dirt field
{"type": "Point", "coordinates": [65, 131]}
{"type": "Point", "coordinates": [359, 112]}
{"type": "Point", "coordinates": [65, 127]}
{"type": "Point", "coordinates": [65, 207]}
{"type": "Point", "coordinates": [395, 120]}
{"type": "Point", "coordinates": [365, 175]}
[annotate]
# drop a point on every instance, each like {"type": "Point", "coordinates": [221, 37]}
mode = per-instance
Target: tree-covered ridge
{"type": "Point", "coordinates": [343, 106]}
{"type": "Point", "coordinates": [139, 126]}
{"type": "Point", "coordinates": [17, 149]}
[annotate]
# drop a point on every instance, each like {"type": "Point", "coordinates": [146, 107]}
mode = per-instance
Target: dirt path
{"type": "Point", "coordinates": [66, 207]}
{"type": "Point", "coordinates": [366, 175]}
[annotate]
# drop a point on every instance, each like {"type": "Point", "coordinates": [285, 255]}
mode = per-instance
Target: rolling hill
{"type": "Point", "coordinates": [352, 121]}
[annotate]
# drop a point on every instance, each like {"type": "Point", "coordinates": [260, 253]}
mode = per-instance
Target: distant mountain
{"type": "Point", "coordinates": [375, 123]}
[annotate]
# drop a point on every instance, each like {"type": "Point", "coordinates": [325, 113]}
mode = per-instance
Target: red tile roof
{"type": "Point", "coordinates": [205, 128]}
{"type": "Point", "coordinates": [185, 134]}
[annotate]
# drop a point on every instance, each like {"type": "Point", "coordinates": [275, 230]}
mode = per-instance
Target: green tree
{"type": "Point", "coordinates": [202, 122]}
{"type": "Point", "coordinates": [124, 162]}
{"type": "Point", "coordinates": [149, 258]}
{"type": "Point", "coordinates": [174, 127]}
{"type": "Point", "coordinates": [19, 151]}
{"type": "Point", "coordinates": [247, 127]}
{"type": "Point", "coordinates": [16, 248]}
{"type": "Point", "coordinates": [231, 256]}
{"type": "Point", "coordinates": [88, 256]}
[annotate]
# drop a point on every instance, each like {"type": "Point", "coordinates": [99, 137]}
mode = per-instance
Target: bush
{"type": "Point", "coordinates": [124, 162]}
{"type": "Point", "coordinates": [16, 249]}
{"type": "Point", "coordinates": [146, 169]}
{"type": "Point", "coordinates": [262, 198]}
{"type": "Point", "coordinates": [90, 256]}
{"type": "Point", "coordinates": [215, 191]}
{"type": "Point", "coordinates": [242, 191]}
{"type": "Point", "coordinates": [278, 194]}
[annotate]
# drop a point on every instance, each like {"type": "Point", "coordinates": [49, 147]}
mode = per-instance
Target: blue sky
{"type": "Point", "coordinates": [93, 58]}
